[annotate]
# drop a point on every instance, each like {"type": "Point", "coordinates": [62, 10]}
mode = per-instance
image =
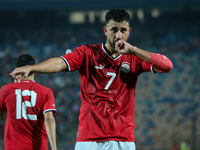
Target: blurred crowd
{"type": "Point", "coordinates": [167, 105]}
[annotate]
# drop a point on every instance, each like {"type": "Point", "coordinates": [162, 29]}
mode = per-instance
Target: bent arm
{"type": "Point", "coordinates": [50, 128]}
{"type": "Point", "coordinates": [51, 65]}
{"type": "Point", "coordinates": [159, 62]}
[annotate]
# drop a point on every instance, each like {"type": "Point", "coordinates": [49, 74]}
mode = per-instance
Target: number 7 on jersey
{"type": "Point", "coordinates": [113, 75]}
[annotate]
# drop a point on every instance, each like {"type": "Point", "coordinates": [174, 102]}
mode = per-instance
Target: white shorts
{"type": "Point", "coordinates": [105, 145]}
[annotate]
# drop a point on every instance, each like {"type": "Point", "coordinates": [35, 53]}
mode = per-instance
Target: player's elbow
{"type": "Point", "coordinates": [57, 64]}
{"type": "Point", "coordinates": [49, 120]}
{"type": "Point", "coordinates": [168, 67]}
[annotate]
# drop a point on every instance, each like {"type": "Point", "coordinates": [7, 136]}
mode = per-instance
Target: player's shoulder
{"type": "Point", "coordinates": [93, 45]}
{"type": "Point", "coordinates": [41, 89]}
{"type": "Point", "coordinates": [4, 87]}
{"type": "Point", "coordinates": [90, 49]}
{"type": "Point", "coordinates": [7, 87]}
{"type": "Point", "coordinates": [90, 46]}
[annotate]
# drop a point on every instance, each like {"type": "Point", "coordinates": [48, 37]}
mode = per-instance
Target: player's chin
{"type": "Point", "coordinates": [115, 43]}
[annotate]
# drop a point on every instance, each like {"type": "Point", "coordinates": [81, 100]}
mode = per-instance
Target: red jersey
{"type": "Point", "coordinates": [107, 92]}
{"type": "Point", "coordinates": [25, 103]}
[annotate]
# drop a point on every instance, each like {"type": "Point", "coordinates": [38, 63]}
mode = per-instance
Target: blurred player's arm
{"type": "Point", "coordinates": [2, 115]}
{"type": "Point", "coordinates": [160, 63]}
{"type": "Point", "coordinates": [3, 110]}
{"type": "Point", "coordinates": [50, 129]}
{"type": "Point", "coordinates": [51, 65]}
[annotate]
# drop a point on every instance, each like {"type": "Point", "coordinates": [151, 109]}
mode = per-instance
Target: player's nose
{"type": "Point", "coordinates": [118, 35]}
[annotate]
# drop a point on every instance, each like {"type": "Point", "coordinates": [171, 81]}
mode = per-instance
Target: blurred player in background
{"type": "Point", "coordinates": [109, 73]}
{"type": "Point", "coordinates": [30, 111]}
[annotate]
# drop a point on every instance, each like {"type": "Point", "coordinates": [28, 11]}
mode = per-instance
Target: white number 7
{"type": "Point", "coordinates": [111, 79]}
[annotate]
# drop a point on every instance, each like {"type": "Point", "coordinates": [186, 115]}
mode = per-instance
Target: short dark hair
{"type": "Point", "coordinates": [25, 59]}
{"type": "Point", "coordinates": [118, 15]}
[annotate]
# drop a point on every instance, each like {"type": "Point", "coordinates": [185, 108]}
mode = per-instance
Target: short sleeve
{"type": "Point", "coordinates": [75, 59]}
{"type": "Point", "coordinates": [49, 104]}
{"type": "Point", "coordinates": [146, 67]}
{"type": "Point", "coordinates": [2, 104]}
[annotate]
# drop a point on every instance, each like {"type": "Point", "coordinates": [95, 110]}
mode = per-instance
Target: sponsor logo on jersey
{"type": "Point", "coordinates": [126, 67]}
{"type": "Point", "coordinates": [99, 67]}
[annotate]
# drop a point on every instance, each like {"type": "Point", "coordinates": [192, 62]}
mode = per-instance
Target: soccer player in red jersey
{"type": "Point", "coordinates": [30, 111]}
{"type": "Point", "coordinates": [108, 75]}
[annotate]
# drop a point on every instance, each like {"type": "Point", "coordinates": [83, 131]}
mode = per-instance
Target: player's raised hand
{"type": "Point", "coordinates": [123, 47]}
{"type": "Point", "coordinates": [20, 73]}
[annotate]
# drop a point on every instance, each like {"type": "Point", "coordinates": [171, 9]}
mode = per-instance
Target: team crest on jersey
{"type": "Point", "coordinates": [126, 67]}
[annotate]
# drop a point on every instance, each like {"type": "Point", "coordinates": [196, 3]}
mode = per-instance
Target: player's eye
{"type": "Point", "coordinates": [114, 30]}
{"type": "Point", "coordinates": [123, 30]}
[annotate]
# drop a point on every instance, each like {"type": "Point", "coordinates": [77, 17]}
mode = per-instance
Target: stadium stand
{"type": "Point", "coordinates": [167, 113]}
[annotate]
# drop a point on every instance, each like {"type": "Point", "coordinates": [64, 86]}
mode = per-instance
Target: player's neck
{"type": "Point", "coordinates": [111, 50]}
{"type": "Point", "coordinates": [31, 77]}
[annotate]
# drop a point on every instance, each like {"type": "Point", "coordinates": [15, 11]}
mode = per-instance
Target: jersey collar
{"type": "Point", "coordinates": [106, 51]}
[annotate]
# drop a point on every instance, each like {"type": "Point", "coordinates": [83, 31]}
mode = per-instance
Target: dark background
{"type": "Point", "coordinates": [167, 105]}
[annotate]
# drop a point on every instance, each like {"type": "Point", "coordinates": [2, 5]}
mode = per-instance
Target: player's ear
{"type": "Point", "coordinates": [105, 30]}
{"type": "Point", "coordinates": [129, 29]}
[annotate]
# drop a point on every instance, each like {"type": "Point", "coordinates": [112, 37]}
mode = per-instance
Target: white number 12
{"type": "Point", "coordinates": [111, 79]}
{"type": "Point", "coordinates": [21, 108]}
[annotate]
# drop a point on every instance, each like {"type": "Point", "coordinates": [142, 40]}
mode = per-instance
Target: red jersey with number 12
{"type": "Point", "coordinates": [107, 92]}
{"type": "Point", "coordinates": [25, 103]}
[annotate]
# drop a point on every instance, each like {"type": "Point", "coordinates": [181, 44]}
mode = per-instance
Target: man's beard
{"type": "Point", "coordinates": [112, 44]}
